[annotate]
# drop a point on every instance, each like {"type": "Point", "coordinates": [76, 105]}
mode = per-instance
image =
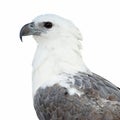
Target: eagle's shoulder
{"type": "Point", "coordinates": [100, 100]}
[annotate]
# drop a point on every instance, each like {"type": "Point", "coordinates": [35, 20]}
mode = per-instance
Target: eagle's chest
{"type": "Point", "coordinates": [51, 60]}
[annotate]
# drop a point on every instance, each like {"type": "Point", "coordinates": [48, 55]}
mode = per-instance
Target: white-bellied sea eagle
{"type": "Point", "coordinates": [63, 87]}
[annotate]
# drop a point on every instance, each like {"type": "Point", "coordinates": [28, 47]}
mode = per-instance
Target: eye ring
{"type": "Point", "coordinates": [48, 25]}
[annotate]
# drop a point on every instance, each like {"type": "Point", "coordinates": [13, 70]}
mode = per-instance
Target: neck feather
{"type": "Point", "coordinates": [52, 59]}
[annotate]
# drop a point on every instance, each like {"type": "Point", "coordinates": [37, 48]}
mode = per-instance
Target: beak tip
{"type": "Point", "coordinates": [21, 37]}
{"type": "Point", "coordinates": [21, 40]}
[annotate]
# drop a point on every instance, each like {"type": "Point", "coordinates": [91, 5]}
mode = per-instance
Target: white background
{"type": "Point", "coordinates": [99, 23]}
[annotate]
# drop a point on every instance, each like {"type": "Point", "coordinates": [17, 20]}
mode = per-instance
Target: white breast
{"type": "Point", "coordinates": [52, 59]}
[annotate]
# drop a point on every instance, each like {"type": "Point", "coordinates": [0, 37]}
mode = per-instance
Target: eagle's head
{"type": "Point", "coordinates": [50, 26]}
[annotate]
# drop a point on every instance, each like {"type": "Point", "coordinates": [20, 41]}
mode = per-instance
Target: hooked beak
{"type": "Point", "coordinates": [28, 29]}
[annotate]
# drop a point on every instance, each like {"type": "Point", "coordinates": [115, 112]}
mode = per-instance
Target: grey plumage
{"type": "Point", "coordinates": [100, 100]}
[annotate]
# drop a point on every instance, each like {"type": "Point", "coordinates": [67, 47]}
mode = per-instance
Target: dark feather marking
{"type": "Point", "coordinates": [55, 103]}
{"type": "Point", "coordinates": [118, 88]}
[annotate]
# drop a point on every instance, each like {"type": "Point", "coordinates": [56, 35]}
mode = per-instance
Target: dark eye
{"type": "Point", "coordinates": [48, 24]}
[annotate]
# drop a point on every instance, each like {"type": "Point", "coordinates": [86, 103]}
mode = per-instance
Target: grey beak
{"type": "Point", "coordinates": [27, 29]}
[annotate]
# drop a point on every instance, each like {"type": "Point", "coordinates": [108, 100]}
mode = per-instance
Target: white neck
{"type": "Point", "coordinates": [54, 58]}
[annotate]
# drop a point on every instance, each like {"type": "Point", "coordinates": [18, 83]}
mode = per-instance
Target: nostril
{"type": "Point", "coordinates": [31, 25]}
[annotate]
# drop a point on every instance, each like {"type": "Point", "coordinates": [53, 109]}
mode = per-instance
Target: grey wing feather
{"type": "Point", "coordinates": [106, 89]}
{"type": "Point", "coordinates": [103, 87]}
{"type": "Point", "coordinates": [100, 101]}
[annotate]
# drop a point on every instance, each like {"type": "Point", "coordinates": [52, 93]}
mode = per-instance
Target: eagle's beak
{"type": "Point", "coordinates": [28, 29]}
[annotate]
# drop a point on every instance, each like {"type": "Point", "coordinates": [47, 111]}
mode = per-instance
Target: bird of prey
{"type": "Point", "coordinates": [63, 87]}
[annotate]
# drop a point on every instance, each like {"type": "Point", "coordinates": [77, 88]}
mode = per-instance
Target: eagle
{"type": "Point", "coordinates": [63, 87]}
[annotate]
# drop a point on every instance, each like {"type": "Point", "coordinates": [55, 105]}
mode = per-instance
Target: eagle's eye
{"type": "Point", "coordinates": [48, 25]}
